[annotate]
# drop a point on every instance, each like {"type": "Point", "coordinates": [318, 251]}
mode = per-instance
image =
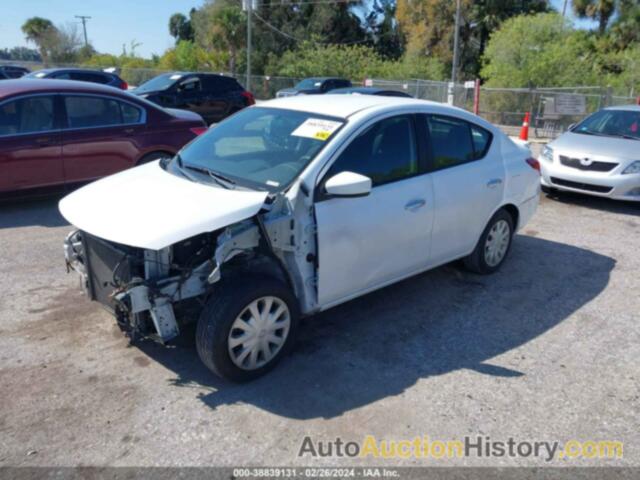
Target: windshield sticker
{"type": "Point", "coordinates": [273, 183]}
{"type": "Point", "coordinates": [316, 128]}
{"type": "Point", "coordinates": [175, 77]}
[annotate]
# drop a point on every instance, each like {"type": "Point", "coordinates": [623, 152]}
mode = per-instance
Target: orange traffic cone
{"type": "Point", "coordinates": [524, 131]}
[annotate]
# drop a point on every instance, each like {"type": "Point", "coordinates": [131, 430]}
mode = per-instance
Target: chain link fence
{"type": "Point", "coordinates": [552, 110]}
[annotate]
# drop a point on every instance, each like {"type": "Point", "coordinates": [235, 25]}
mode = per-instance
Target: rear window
{"type": "Point", "coordinates": [220, 83]}
{"type": "Point", "coordinates": [90, 77]}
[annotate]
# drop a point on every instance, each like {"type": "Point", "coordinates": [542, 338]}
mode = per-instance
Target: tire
{"type": "Point", "coordinates": [150, 157]}
{"type": "Point", "coordinates": [481, 260]}
{"type": "Point", "coordinates": [217, 327]}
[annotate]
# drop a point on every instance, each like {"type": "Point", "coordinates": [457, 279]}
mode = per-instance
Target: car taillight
{"type": "Point", "coordinates": [124, 85]}
{"type": "Point", "coordinates": [533, 163]}
{"type": "Point", "coordinates": [250, 98]}
{"type": "Point", "coordinates": [198, 130]}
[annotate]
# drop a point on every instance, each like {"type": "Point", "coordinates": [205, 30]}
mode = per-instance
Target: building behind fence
{"type": "Point", "coordinates": [552, 110]}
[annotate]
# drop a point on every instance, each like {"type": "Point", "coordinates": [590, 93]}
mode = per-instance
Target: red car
{"type": "Point", "coordinates": [61, 133]}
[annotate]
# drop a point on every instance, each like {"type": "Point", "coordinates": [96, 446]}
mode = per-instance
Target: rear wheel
{"type": "Point", "coordinates": [493, 246]}
{"type": "Point", "coordinates": [246, 327]}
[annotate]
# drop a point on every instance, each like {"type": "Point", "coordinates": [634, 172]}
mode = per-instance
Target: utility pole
{"type": "Point", "coordinates": [248, 8]}
{"type": "Point", "coordinates": [564, 8]}
{"type": "Point", "coordinates": [456, 41]}
{"type": "Point", "coordinates": [83, 19]}
{"type": "Point", "coordinates": [454, 67]}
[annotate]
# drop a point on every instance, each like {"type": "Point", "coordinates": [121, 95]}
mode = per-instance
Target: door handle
{"type": "Point", "coordinates": [129, 131]}
{"type": "Point", "coordinates": [45, 141]}
{"type": "Point", "coordinates": [414, 205]}
{"type": "Point", "coordinates": [494, 183]}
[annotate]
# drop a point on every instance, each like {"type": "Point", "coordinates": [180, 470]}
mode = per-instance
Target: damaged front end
{"type": "Point", "coordinates": [153, 292]}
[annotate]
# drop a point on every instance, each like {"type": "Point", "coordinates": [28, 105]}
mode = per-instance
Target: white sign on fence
{"type": "Point", "coordinates": [570, 104]}
{"type": "Point", "coordinates": [470, 84]}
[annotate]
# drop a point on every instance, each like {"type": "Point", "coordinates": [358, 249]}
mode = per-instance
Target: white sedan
{"type": "Point", "coordinates": [290, 208]}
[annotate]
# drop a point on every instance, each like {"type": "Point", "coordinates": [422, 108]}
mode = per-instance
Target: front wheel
{"type": "Point", "coordinates": [493, 246]}
{"type": "Point", "coordinates": [246, 327]}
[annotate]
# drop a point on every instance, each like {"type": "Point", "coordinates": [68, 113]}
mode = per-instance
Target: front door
{"type": "Point", "coordinates": [369, 241]}
{"type": "Point", "coordinates": [30, 147]}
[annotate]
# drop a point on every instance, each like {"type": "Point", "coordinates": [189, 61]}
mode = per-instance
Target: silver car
{"type": "Point", "coordinates": [290, 208]}
{"type": "Point", "coordinates": [599, 156]}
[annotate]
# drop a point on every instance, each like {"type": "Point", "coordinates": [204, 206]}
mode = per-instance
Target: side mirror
{"type": "Point", "coordinates": [348, 184]}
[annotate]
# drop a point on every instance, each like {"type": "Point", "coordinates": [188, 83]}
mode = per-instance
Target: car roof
{"type": "Point", "coordinates": [19, 86]}
{"type": "Point", "coordinates": [632, 108]}
{"type": "Point", "coordinates": [365, 90]}
{"type": "Point", "coordinates": [338, 105]}
{"type": "Point", "coordinates": [73, 69]}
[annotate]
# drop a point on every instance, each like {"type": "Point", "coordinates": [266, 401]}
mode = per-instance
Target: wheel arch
{"type": "Point", "coordinates": [141, 159]}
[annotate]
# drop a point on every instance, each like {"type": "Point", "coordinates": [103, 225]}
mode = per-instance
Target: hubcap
{"type": "Point", "coordinates": [259, 332]}
{"type": "Point", "coordinates": [495, 248]}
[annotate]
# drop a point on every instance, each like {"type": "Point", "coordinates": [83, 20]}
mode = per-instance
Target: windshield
{"type": "Point", "coordinates": [161, 82]}
{"type": "Point", "coordinates": [612, 123]}
{"type": "Point", "coordinates": [309, 83]}
{"type": "Point", "coordinates": [264, 148]}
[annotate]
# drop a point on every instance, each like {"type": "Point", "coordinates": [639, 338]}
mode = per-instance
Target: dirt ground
{"type": "Point", "coordinates": [546, 349]}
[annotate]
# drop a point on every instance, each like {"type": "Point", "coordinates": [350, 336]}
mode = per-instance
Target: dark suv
{"type": "Point", "coordinates": [311, 86]}
{"type": "Point", "coordinates": [81, 74]}
{"type": "Point", "coordinates": [214, 97]}
{"type": "Point", "coordinates": [12, 71]}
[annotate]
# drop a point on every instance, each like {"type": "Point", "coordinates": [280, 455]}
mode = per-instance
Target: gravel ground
{"type": "Point", "coordinates": [546, 349]}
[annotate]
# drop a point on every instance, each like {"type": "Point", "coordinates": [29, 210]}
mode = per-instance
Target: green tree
{"type": "Point", "coordinates": [180, 27]}
{"type": "Point", "coordinates": [429, 27]}
{"type": "Point", "coordinates": [539, 50]}
{"type": "Point", "coordinates": [186, 56]}
{"type": "Point", "coordinates": [41, 32]}
{"type": "Point", "coordinates": [220, 26]}
{"type": "Point", "coordinates": [626, 27]}
{"type": "Point", "coordinates": [355, 62]}
{"type": "Point", "coordinates": [600, 10]}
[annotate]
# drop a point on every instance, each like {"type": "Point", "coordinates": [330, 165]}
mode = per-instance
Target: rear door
{"type": "Point", "coordinates": [30, 143]}
{"type": "Point", "coordinates": [468, 181]}
{"type": "Point", "coordinates": [102, 135]}
{"type": "Point", "coordinates": [369, 241]}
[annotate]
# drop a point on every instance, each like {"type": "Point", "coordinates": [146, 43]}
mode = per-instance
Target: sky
{"type": "Point", "coordinates": [113, 22]}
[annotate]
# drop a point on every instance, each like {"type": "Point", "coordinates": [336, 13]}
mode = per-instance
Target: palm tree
{"type": "Point", "coordinates": [600, 10]}
{"type": "Point", "coordinates": [41, 32]}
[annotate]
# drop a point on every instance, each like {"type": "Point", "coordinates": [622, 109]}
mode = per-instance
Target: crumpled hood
{"type": "Point", "coordinates": [579, 145]}
{"type": "Point", "coordinates": [149, 208]}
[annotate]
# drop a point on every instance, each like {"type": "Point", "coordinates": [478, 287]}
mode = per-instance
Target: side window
{"type": "Point", "coordinates": [130, 114]}
{"type": "Point", "coordinates": [451, 141]}
{"type": "Point", "coordinates": [385, 152]}
{"type": "Point", "coordinates": [84, 111]}
{"type": "Point", "coordinates": [27, 115]}
{"type": "Point", "coordinates": [190, 85]}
